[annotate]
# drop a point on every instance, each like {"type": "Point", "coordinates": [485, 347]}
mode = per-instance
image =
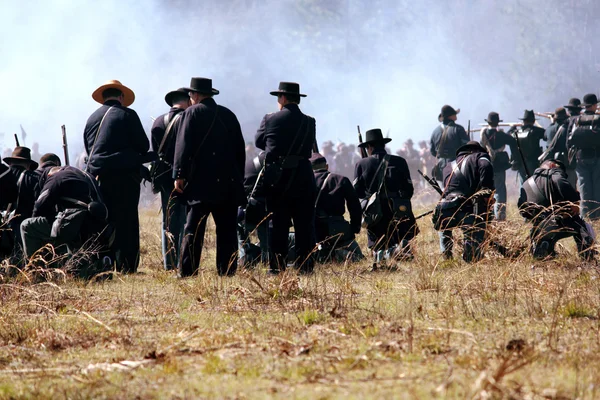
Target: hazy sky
{"type": "Point", "coordinates": [377, 64]}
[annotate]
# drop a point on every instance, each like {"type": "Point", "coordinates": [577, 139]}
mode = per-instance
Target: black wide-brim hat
{"type": "Point", "coordinates": [574, 103]}
{"type": "Point", "coordinates": [493, 117]}
{"type": "Point", "coordinates": [169, 96]}
{"type": "Point", "coordinates": [471, 146]}
{"type": "Point", "coordinates": [202, 86]}
{"type": "Point", "coordinates": [288, 88]}
{"type": "Point", "coordinates": [589, 100]}
{"type": "Point", "coordinates": [20, 154]}
{"type": "Point", "coordinates": [374, 136]}
{"type": "Point", "coordinates": [528, 115]}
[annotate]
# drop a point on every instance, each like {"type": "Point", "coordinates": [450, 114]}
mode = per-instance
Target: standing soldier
{"type": "Point", "coordinates": [468, 186]}
{"type": "Point", "coordinates": [334, 233]}
{"type": "Point", "coordinates": [574, 107]}
{"type": "Point", "coordinates": [117, 145]}
{"type": "Point", "coordinates": [386, 176]}
{"type": "Point", "coordinates": [495, 140]}
{"type": "Point", "coordinates": [288, 137]}
{"type": "Point", "coordinates": [164, 133]}
{"type": "Point", "coordinates": [528, 138]}
{"type": "Point", "coordinates": [557, 147]}
{"type": "Point", "coordinates": [445, 141]}
{"type": "Point", "coordinates": [209, 172]}
{"type": "Point", "coordinates": [584, 134]}
{"type": "Point", "coordinates": [549, 201]}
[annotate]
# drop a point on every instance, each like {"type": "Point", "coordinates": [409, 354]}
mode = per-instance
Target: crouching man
{"type": "Point", "coordinates": [334, 234]}
{"type": "Point", "coordinates": [70, 215]}
{"type": "Point", "coordinates": [466, 200]}
{"type": "Point", "coordinates": [550, 202]}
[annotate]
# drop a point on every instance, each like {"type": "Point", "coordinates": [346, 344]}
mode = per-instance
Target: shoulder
{"type": "Point", "coordinates": [159, 122]}
{"type": "Point", "coordinates": [397, 160]}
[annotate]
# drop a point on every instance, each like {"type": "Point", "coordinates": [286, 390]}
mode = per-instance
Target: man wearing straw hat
{"type": "Point", "coordinates": [117, 146]}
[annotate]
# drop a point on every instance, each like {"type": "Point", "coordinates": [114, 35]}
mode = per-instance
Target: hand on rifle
{"type": "Point", "coordinates": [179, 185]}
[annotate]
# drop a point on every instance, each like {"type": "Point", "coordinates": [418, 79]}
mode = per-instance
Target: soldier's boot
{"type": "Point", "coordinates": [543, 250]}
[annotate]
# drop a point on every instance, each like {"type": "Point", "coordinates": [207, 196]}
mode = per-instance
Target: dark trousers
{"type": "Point", "coordinates": [173, 221]}
{"type": "Point", "coordinates": [299, 209]}
{"type": "Point", "coordinates": [121, 194]}
{"type": "Point", "coordinates": [225, 217]}
{"type": "Point", "coordinates": [547, 230]}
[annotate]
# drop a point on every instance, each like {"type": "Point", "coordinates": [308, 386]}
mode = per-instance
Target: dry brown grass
{"type": "Point", "coordinates": [432, 329]}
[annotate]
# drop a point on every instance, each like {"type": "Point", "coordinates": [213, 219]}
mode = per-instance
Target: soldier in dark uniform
{"type": "Point", "coordinates": [254, 216]}
{"type": "Point", "coordinates": [69, 212]}
{"type": "Point", "coordinates": [389, 238]}
{"type": "Point", "coordinates": [288, 137]}
{"type": "Point", "coordinates": [549, 201]}
{"type": "Point", "coordinates": [164, 134]}
{"type": "Point", "coordinates": [584, 133]}
{"type": "Point", "coordinates": [117, 147]}
{"type": "Point", "coordinates": [557, 146]}
{"type": "Point", "coordinates": [209, 172]}
{"type": "Point", "coordinates": [445, 141]}
{"type": "Point", "coordinates": [47, 161]}
{"type": "Point", "coordinates": [468, 184]}
{"type": "Point", "coordinates": [8, 195]}
{"type": "Point", "coordinates": [529, 137]}
{"type": "Point", "coordinates": [22, 167]}
{"type": "Point", "coordinates": [334, 234]}
{"type": "Point", "coordinates": [495, 140]}
{"type": "Point", "coordinates": [574, 107]}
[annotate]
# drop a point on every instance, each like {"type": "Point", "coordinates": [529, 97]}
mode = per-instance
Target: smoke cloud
{"type": "Point", "coordinates": [377, 63]}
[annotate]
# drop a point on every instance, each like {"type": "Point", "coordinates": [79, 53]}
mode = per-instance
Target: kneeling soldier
{"type": "Point", "coordinates": [465, 203]}
{"type": "Point", "coordinates": [334, 234]}
{"type": "Point", "coordinates": [70, 212]}
{"type": "Point", "coordinates": [550, 202]}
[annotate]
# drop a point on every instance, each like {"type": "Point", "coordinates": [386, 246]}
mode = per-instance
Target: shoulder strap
{"type": "Point", "coordinates": [2, 175]}
{"type": "Point", "coordinates": [167, 131]}
{"type": "Point", "coordinates": [321, 188]}
{"type": "Point", "coordinates": [442, 139]}
{"type": "Point", "coordinates": [212, 124]}
{"type": "Point", "coordinates": [19, 184]}
{"type": "Point", "coordinates": [534, 188]}
{"type": "Point", "coordinates": [379, 176]}
{"type": "Point", "coordinates": [87, 166]}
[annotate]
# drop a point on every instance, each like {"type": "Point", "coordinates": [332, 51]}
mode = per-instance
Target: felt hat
{"type": "Point", "coordinates": [169, 96]}
{"type": "Point", "coordinates": [590, 100]}
{"type": "Point", "coordinates": [202, 86]}
{"type": "Point", "coordinates": [493, 118]}
{"type": "Point", "coordinates": [528, 115]}
{"type": "Point", "coordinates": [374, 136]}
{"type": "Point", "coordinates": [560, 114]}
{"type": "Point", "coordinates": [21, 154]}
{"type": "Point", "coordinates": [317, 159]}
{"type": "Point", "coordinates": [574, 103]}
{"type": "Point", "coordinates": [472, 147]}
{"type": "Point", "coordinates": [448, 111]}
{"type": "Point", "coordinates": [288, 88]}
{"type": "Point", "coordinates": [128, 94]}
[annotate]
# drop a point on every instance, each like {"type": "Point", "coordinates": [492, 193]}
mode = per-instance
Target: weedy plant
{"type": "Point", "coordinates": [505, 327]}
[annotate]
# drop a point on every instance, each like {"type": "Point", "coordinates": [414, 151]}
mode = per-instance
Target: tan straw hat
{"type": "Point", "coordinates": [114, 84]}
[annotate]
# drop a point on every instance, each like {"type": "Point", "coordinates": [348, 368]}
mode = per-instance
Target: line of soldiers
{"type": "Point", "coordinates": [199, 167]}
{"type": "Point", "coordinates": [548, 197]}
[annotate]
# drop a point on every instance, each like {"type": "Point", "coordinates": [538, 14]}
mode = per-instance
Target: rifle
{"type": "Point", "coordinates": [548, 115]}
{"type": "Point", "coordinates": [17, 140]}
{"type": "Point", "coordinates": [65, 145]}
{"type": "Point", "coordinates": [511, 124]}
{"type": "Point", "coordinates": [432, 182]}
{"type": "Point", "coordinates": [469, 130]}
{"type": "Point", "coordinates": [424, 214]}
{"type": "Point", "coordinates": [363, 151]}
{"type": "Point", "coordinates": [527, 174]}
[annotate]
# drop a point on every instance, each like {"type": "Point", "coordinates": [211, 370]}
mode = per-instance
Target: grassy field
{"type": "Point", "coordinates": [432, 329]}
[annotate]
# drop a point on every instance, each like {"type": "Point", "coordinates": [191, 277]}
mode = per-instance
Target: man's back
{"type": "Point", "coordinates": [335, 192]}
{"type": "Point", "coordinates": [114, 140]}
{"type": "Point", "coordinates": [397, 176]}
{"type": "Point", "coordinates": [446, 139]}
{"type": "Point", "coordinates": [210, 154]}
